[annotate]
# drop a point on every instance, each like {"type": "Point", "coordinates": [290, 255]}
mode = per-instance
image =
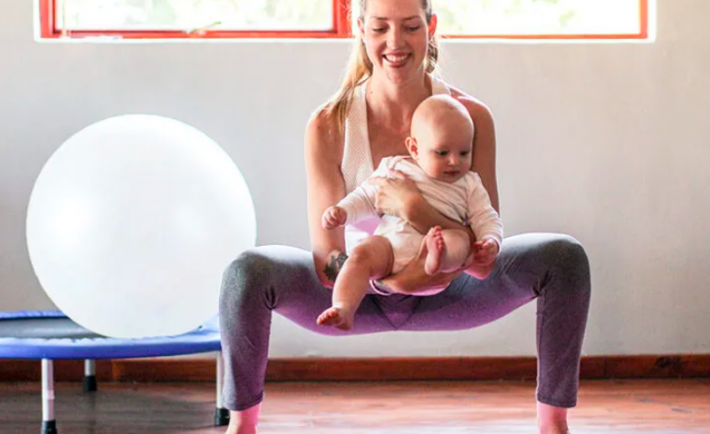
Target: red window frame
{"type": "Point", "coordinates": [342, 29]}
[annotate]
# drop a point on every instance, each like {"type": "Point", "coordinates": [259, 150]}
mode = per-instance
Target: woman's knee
{"type": "Point", "coordinates": [248, 274]}
{"type": "Point", "coordinates": [570, 251]}
{"type": "Point", "coordinates": [570, 258]}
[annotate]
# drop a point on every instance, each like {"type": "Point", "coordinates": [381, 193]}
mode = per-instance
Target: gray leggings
{"type": "Point", "coordinates": [551, 268]}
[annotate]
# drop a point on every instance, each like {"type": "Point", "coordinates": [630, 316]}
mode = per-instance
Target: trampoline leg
{"type": "Point", "coordinates": [90, 376]}
{"type": "Point", "coordinates": [49, 425]}
{"type": "Point", "coordinates": [221, 415]}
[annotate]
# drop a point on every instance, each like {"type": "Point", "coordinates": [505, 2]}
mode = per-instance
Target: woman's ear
{"type": "Point", "coordinates": [361, 28]}
{"type": "Point", "coordinates": [432, 25]}
{"type": "Point", "coordinates": [411, 143]}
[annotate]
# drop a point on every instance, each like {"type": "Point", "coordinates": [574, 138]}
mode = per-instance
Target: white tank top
{"type": "Point", "coordinates": [357, 164]}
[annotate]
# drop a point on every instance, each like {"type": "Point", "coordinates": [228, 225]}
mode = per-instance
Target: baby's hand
{"type": "Point", "coordinates": [334, 217]}
{"type": "Point", "coordinates": [485, 251]}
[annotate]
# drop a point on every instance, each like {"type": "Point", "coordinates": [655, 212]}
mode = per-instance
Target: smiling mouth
{"type": "Point", "coordinates": [396, 59]}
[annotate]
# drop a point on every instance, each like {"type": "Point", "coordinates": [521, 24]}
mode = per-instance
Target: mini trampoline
{"type": "Point", "coordinates": [51, 335]}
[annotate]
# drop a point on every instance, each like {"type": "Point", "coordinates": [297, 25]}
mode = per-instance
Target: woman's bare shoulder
{"type": "Point", "coordinates": [480, 112]}
{"type": "Point", "coordinates": [323, 136]}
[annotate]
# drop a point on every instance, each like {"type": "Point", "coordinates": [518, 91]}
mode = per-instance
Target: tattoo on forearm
{"type": "Point", "coordinates": [333, 268]}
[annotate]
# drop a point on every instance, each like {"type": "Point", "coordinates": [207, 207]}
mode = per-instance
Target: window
{"type": "Point", "coordinates": [537, 19]}
{"type": "Point", "coordinates": [194, 18]}
{"type": "Point", "coordinates": [527, 19]}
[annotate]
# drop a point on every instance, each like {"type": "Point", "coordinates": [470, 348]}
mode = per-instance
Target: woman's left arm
{"type": "Point", "coordinates": [484, 161]}
{"type": "Point", "coordinates": [484, 146]}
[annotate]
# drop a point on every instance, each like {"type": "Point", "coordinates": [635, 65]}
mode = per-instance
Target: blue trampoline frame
{"type": "Point", "coordinates": [201, 340]}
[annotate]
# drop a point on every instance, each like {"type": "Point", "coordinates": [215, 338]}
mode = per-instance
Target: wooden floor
{"type": "Point", "coordinates": [639, 406]}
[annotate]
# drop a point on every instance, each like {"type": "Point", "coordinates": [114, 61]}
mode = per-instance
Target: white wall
{"type": "Point", "coordinates": [607, 142]}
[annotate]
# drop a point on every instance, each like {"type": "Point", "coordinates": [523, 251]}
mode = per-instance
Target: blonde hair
{"type": "Point", "coordinates": [359, 69]}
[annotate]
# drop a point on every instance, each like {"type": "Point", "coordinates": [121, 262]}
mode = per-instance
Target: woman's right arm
{"type": "Point", "coordinates": [323, 154]}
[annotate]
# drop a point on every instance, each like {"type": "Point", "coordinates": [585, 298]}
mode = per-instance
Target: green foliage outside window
{"type": "Point", "coordinates": [456, 17]}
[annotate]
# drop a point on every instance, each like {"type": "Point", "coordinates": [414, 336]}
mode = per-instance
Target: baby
{"type": "Point", "coordinates": [440, 148]}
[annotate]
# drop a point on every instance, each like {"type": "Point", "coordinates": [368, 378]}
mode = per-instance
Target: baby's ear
{"type": "Point", "coordinates": [411, 143]}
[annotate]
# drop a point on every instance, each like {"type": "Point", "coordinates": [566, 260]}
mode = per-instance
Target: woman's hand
{"type": "Point", "coordinates": [397, 195]}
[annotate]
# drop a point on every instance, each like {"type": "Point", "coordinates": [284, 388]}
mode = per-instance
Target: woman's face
{"type": "Point", "coordinates": [396, 36]}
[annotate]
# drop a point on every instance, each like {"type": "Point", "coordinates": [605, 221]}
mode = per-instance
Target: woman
{"type": "Point", "coordinates": [369, 118]}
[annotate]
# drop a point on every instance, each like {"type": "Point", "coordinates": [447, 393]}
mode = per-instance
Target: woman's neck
{"type": "Point", "coordinates": [394, 106]}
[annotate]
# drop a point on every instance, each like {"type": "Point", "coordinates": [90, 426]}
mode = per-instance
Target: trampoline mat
{"type": "Point", "coordinates": [44, 328]}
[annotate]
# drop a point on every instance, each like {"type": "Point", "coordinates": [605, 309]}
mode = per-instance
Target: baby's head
{"type": "Point", "coordinates": [441, 138]}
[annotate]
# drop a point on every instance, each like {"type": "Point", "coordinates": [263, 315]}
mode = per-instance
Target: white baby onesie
{"type": "Point", "coordinates": [465, 201]}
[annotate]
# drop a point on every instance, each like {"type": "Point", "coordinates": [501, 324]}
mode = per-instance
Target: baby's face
{"type": "Point", "coordinates": [444, 151]}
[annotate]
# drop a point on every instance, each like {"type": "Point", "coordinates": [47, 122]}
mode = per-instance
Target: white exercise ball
{"type": "Point", "coordinates": [131, 223]}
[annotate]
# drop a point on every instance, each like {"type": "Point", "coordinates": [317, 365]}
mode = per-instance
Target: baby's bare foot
{"type": "Point", "coordinates": [435, 250]}
{"type": "Point", "coordinates": [337, 318]}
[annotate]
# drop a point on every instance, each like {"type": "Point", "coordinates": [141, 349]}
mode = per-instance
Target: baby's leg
{"type": "Point", "coordinates": [371, 259]}
{"type": "Point", "coordinates": [447, 250]}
